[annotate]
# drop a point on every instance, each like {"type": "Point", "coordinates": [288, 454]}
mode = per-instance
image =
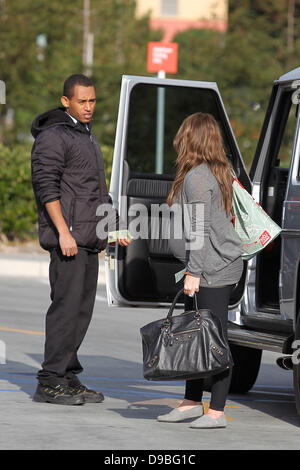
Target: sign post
{"type": "Point", "coordinates": [2, 92]}
{"type": "Point", "coordinates": [162, 59]}
{"type": "Point", "coordinates": [160, 126]}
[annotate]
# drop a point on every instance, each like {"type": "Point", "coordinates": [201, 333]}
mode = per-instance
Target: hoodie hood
{"type": "Point", "coordinates": [54, 117]}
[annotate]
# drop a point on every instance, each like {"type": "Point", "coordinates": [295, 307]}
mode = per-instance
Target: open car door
{"type": "Point", "coordinates": [150, 113]}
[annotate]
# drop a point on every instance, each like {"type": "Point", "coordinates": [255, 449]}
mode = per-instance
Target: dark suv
{"type": "Point", "coordinates": [265, 304]}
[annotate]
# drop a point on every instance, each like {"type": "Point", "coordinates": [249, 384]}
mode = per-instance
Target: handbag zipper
{"type": "Point", "coordinates": [170, 337]}
{"type": "Point", "coordinates": [184, 331]}
{"type": "Point", "coordinates": [191, 331]}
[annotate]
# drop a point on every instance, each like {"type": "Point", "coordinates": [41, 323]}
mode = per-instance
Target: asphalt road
{"type": "Point", "coordinates": [265, 418]}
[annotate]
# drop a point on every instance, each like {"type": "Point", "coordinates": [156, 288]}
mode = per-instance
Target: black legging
{"type": "Point", "coordinates": [215, 299]}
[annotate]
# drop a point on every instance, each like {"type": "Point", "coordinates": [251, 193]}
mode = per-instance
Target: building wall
{"type": "Point", "coordinates": [199, 14]}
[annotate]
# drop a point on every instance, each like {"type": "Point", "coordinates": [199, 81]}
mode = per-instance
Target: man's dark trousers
{"type": "Point", "coordinates": [73, 282]}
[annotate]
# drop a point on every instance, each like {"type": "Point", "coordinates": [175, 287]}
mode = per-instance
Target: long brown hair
{"type": "Point", "coordinates": [199, 140]}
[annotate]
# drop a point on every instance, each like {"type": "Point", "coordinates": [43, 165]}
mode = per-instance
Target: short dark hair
{"type": "Point", "coordinates": [76, 79]}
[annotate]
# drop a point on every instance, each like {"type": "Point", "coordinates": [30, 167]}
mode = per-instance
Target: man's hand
{"type": "Point", "coordinates": [191, 285]}
{"type": "Point", "coordinates": [67, 244]}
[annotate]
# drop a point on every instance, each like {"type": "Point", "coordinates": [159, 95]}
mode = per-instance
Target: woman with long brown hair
{"type": "Point", "coordinates": [210, 248]}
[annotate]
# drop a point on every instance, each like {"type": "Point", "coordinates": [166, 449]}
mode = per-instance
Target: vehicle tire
{"type": "Point", "coordinates": [296, 369]}
{"type": "Point", "coordinates": [246, 367]}
{"type": "Point", "coordinates": [245, 370]}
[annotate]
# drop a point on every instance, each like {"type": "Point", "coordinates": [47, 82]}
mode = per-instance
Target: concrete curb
{"type": "Point", "coordinates": [33, 265]}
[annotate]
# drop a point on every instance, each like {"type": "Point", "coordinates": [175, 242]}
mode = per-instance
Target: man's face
{"type": "Point", "coordinates": [82, 104]}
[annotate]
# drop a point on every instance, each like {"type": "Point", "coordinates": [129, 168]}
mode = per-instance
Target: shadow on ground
{"type": "Point", "coordinates": [123, 380]}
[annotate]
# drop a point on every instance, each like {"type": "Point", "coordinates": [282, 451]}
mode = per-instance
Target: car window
{"type": "Point", "coordinates": [144, 128]}
{"type": "Point", "coordinates": [282, 140]}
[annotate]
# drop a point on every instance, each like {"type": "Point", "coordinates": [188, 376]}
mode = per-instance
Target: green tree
{"type": "Point", "coordinates": [18, 211]}
{"type": "Point", "coordinates": [33, 73]}
{"type": "Point", "coordinates": [120, 47]}
{"type": "Point", "coordinates": [41, 44]}
{"type": "Point", "coordinates": [244, 61]}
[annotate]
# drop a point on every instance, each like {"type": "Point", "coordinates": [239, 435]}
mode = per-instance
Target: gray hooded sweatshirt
{"type": "Point", "coordinates": [210, 248]}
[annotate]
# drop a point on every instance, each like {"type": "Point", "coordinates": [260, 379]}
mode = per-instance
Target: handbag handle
{"type": "Point", "coordinates": [179, 293]}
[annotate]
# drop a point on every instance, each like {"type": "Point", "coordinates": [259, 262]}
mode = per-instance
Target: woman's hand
{"type": "Point", "coordinates": [123, 241]}
{"type": "Point", "coordinates": [191, 285]}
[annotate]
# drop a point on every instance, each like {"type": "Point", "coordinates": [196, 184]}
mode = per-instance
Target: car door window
{"type": "Point", "coordinates": [275, 180]}
{"type": "Point", "coordinates": [280, 154]}
{"type": "Point", "coordinates": [179, 102]}
{"type": "Point", "coordinates": [281, 144]}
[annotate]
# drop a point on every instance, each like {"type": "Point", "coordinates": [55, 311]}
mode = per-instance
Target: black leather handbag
{"type": "Point", "coordinates": [186, 346]}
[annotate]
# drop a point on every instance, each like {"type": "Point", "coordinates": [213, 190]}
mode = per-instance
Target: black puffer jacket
{"type": "Point", "coordinates": [67, 164]}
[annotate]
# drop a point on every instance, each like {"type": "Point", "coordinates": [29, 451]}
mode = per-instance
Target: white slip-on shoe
{"type": "Point", "coordinates": [206, 422]}
{"type": "Point", "coordinates": [176, 416]}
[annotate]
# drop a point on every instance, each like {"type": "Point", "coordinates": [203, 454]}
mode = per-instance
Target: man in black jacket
{"type": "Point", "coordinates": [69, 185]}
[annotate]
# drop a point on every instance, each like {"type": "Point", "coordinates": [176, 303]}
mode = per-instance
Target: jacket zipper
{"type": "Point", "coordinates": [72, 214]}
{"type": "Point", "coordinates": [97, 164]}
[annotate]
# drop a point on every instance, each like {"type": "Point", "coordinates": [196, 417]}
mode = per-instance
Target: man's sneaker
{"type": "Point", "coordinates": [58, 394]}
{"type": "Point", "coordinates": [90, 396]}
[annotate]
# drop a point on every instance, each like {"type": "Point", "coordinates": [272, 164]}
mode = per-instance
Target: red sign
{"type": "Point", "coordinates": [162, 56]}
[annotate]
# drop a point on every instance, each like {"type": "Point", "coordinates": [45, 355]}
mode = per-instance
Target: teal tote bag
{"type": "Point", "coordinates": [254, 226]}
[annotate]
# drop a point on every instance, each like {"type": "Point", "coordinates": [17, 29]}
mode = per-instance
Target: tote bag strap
{"type": "Point", "coordinates": [233, 174]}
{"type": "Point", "coordinates": [179, 293]}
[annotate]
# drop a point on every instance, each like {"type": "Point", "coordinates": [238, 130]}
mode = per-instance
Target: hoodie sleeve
{"type": "Point", "coordinates": [47, 165]}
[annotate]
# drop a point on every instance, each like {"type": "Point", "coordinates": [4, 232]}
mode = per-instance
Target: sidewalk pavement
{"type": "Point", "coordinates": [34, 265]}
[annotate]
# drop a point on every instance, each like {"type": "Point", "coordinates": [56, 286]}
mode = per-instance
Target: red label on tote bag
{"type": "Point", "coordinates": [264, 238]}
